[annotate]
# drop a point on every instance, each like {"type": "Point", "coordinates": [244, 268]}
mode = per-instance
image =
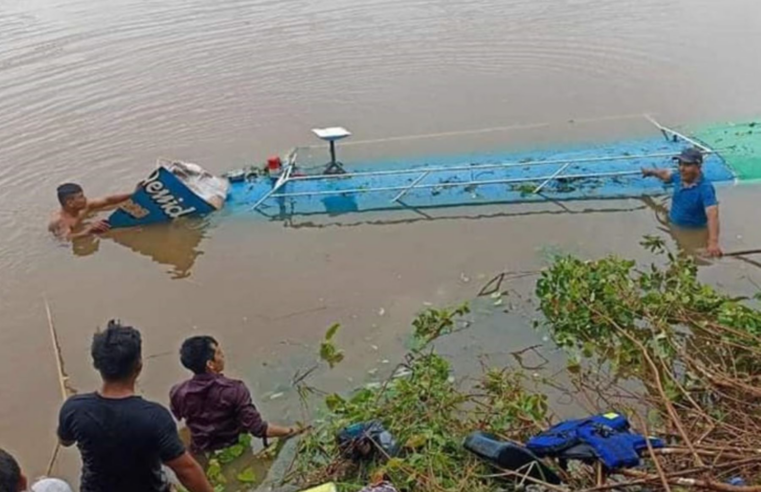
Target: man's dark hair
{"type": "Point", "coordinates": [66, 190]}
{"type": "Point", "coordinates": [196, 352]}
{"type": "Point", "coordinates": [116, 351]}
{"type": "Point", "coordinates": [10, 473]}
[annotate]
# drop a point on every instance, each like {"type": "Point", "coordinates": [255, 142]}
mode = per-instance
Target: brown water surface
{"type": "Point", "coordinates": [94, 91]}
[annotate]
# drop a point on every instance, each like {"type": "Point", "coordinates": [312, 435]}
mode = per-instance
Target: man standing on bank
{"type": "Point", "coordinates": [694, 204]}
{"type": "Point", "coordinates": [124, 439]}
{"type": "Point", "coordinates": [215, 408]}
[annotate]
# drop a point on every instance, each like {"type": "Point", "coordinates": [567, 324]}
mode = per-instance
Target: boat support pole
{"type": "Point", "coordinates": [669, 131]}
{"type": "Point", "coordinates": [281, 181]}
{"type": "Point", "coordinates": [412, 185]}
{"type": "Point", "coordinates": [555, 175]}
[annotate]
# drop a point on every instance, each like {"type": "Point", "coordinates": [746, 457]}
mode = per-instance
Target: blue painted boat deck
{"type": "Point", "coordinates": [445, 188]}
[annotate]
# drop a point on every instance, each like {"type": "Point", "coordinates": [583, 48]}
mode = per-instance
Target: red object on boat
{"type": "Point", "coordinates": [274, 164]}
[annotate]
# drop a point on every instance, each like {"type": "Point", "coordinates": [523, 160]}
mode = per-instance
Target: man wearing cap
{"type": "Point", "coordinates": [694, 204]}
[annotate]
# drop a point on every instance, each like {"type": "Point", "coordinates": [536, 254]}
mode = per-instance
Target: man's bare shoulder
{"type": "Point", "coordinates": [62, 224]}
{"type": "Point", "coordinates": [56, 223]}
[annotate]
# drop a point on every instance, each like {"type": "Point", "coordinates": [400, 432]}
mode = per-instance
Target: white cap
{"type": "Point", "coordinates": [50, 485]}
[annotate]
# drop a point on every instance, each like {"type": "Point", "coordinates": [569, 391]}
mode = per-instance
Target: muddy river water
{"type": "Point", "coordinates": [95, 91]}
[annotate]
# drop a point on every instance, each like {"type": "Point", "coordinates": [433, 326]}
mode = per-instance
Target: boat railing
{"type": "Point", "coordinates": [421, 173]}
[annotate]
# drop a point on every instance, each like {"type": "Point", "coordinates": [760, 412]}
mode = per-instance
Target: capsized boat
{"type": "Point", "coordinates": [732, 153]}
{"type": "Point", "coordinates": [174, 189]}
{"type": "Point", "coordinates": [286, 187]}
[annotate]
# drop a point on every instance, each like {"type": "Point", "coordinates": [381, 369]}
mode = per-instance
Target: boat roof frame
{"type": "Point", "coordinates": [287, 175]}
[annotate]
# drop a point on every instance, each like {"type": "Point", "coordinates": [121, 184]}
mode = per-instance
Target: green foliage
{"type": "Point", "coordinates": [525, 189]}
{"type": "Point", "coordinates": [328, 351]}
{"type": "Point", "coordinates": [605, 284]}
{"type": "Point", "coordinates": [654, 244]}
{"type": "Point", "coordinates": [246, 476]}
{"type": "Point", "coordinates": [691, 351]}
{"type": "Point", "coordinates": [332, 332]}
{"type": "Point", "coordinates": [222, 464]}
{"type": "Point", "coordinates": [215, 475]}
{"type": "Point", "coordinates": [509, 401]}
{"type": "Point", "coordinates": [230, 454]}
{"type": "Point", "coordinates": [657, 323]}
{"type": "Point", "coordinates": [611, 308]}
{"type": "Point", "coordinates": [428, 414]}
{"type": "Point", "coordinates": [433, 323]}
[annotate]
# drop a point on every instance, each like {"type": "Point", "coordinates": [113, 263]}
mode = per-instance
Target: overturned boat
{"type": "Point", "coordinates": [287, 187]}
{"type": "Point", "coordinates": [174, 189]}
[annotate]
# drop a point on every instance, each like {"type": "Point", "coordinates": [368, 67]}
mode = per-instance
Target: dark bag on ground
{"type": "Point", "coordinates": [365, 441]}
{"type": "Point", "coordinates": [505, 455]}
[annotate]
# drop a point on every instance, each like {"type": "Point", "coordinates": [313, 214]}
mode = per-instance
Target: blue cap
{"type": "Point", "coordinates": [690, 155]}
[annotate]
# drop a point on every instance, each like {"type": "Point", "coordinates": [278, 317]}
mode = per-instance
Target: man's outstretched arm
{"type": "Point", "coordinates": [190, 473]}
{"type": "Point", "coordinates": [713, 248]}
{"type": "Point", "coordinates": [662, 174]}
{"type": "Point", "coordinates": [251, 420]}
{"type": "Point", "coordinates": [109, 201]}
{"type": "Point", "coordinates": [280, 431]}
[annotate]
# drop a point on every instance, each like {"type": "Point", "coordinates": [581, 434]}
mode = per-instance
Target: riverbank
{"type": "Point", "coordinates": [649, 341]}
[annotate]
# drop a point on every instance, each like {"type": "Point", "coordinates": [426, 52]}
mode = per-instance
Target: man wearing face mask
{"type": "Point", "coordinates": [694, 204]}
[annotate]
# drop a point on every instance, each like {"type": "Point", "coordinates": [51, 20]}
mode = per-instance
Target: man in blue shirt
{"type": "Point", "coordinates": [694, 204]}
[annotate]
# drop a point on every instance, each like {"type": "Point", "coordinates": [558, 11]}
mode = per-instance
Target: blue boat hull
{"type": "Point", "coordinates": [609, 171]}
{"type": "Point", "coordinates": [162, 197]}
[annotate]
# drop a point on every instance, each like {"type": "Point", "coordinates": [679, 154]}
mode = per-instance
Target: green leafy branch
{"type": "Point", "coordinates": [328, 351]}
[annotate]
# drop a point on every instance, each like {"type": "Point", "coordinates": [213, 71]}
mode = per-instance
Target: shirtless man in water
{"type": "Point", "coordinates": [69, 222]}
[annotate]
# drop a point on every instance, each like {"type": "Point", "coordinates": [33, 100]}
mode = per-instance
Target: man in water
{"type": "Point", "coordinates": [68, 222]}
{"type": "Point", "coordinates": [694, 204]}
{"type": "Point", "coordinates": [13, 480]}
{"type": "Point", "coordinates": [124, 439]}
{"type": "Point", "coordinates": [216, 409]}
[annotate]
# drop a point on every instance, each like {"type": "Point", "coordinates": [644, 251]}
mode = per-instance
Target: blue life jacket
{"type": "Point", "coordinates": [608, 437]}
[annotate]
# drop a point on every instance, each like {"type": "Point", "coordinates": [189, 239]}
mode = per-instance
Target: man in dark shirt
{"type": "Point", "coordinates": [216, 409]}
{"type": "Point", "coordinates": [124, 439]}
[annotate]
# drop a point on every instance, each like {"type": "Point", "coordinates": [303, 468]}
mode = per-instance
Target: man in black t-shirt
{"type": "Point", "coordinates": [123, 438]}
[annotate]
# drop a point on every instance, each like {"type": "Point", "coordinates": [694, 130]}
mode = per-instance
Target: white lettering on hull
{"type": "Point", "coordinates": [171, 205]}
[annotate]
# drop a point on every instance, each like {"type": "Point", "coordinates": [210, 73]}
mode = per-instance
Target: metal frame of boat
{"type": "Point", "coordinates": [289, 175]}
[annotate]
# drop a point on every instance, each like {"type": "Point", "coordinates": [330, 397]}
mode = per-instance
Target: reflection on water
{"type": "Point", "coordinates": [690, 241]}
{"type": "Point", "coordinates": [471, 212]}
{"type": "Point", "coordinates": [175, 244]}
{"type": "Point", "coordinates": [85, 246]}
